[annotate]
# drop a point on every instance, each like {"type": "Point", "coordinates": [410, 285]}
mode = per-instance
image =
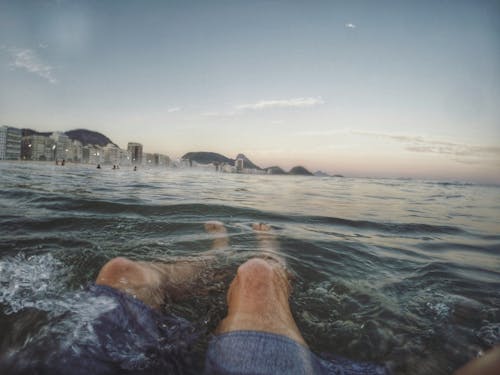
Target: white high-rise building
{"type": "Point", "coordinates": [76, 152]}
{"type": "Point", "coordinates": [3, 141]}
{"type": "Point", "coordinates": [63, 145]}
{"type": "Point", "coordinates": [135, 150]}
{"type": "Point", "coordinates": [239, 164]}
{"type": "Point", "coordinates": [96, 154]}
{"type": "Point", "coordinates": [10, 143]}
{"type": "Point", "coordinates": [112, 154]}
{"type": "Point", "coordinates": [39, 147]}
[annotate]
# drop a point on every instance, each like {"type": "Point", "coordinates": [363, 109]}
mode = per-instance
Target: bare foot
{"type": "Point", "coordinates": [263, 227]}
{"type": "Point", "coordinates": [185, 276]}
{"type": "Point", "coordinates": [268, 245]}
{"type": "Point", "coordinates": [219, 232]}
{"type": "Point", "coordinates": [266, 236]}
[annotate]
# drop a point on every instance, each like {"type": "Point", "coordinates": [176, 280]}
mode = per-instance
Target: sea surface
{"type": "Point", "coordinates": [400, 272]}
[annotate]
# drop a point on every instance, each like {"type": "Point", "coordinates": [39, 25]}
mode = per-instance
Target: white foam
{"type": "Point", "coordinates": [39, 281]}
{"type": "Point", "coordinates": [29, 281]}
{"type": "Point", "coordinates": [440, 310]}
{"type": "Point", "coordinates": [489, 334]}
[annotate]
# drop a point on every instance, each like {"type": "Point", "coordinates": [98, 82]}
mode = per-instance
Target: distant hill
{"type": "Point", "coordinates": [321, 174]}
{"type": "Point", "coordinates": [299, 170]}
{"type": "Point", "coordinates": [275, 170]}
{"type": "Point", "coordinates": [204, 157]}
{"type": "Point", "coordinates": [88, 137]}
{"type": "Point", "coordinates": [27, 132]}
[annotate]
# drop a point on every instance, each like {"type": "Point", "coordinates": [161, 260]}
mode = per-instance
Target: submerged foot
{"type": "Point", "coordinates": [261, 227]}
{"type": "Point", "coordinates": [268, 244]}
{"type": "Point", "coordinates": [219, 232]}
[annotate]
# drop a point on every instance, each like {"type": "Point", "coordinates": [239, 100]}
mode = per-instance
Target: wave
{"type": "Point", "coordinates": [106, 207]}
{"type": "Point", "coordinates": [400, 228]}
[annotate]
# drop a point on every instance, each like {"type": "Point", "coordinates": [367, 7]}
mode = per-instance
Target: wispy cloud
{"type": "Point", "coordinates": [462, 152]}
{"type": "Point", "coordinates": [350, 26]}
{"type": "Point", "coordinates": [282, 103]}
{"type": "Point", "coordinates": [264, 105]}
{"type": "Point", "coordinates": [173, 109]}
{"type": "Point", "coordinates": [321, 133]}
{"type": "Point", "coordinates": [28, 60]}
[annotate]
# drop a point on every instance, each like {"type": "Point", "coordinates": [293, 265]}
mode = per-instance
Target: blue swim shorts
{"type": "Point", "coordinates": [251, 352]}
{"type": "Point", "coordinates": [125, 336]}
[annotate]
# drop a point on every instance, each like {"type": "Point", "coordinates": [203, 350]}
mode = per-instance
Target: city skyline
{"type": "Point", "coordinates": [77, 146]}
{"type": "Point", "coordinates": [381, 89]}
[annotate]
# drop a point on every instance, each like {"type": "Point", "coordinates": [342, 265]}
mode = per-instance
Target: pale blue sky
{"type": "Point", "coordinates": [378, 88]}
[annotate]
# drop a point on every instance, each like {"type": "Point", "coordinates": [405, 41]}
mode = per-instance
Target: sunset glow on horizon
{"type": "Point", "coordinates": [377, 89]}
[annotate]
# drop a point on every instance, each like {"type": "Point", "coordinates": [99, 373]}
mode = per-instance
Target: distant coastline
{"type": "Point", "coordinates": [91, 147]}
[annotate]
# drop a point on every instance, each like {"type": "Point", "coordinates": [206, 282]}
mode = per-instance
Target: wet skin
{"type": "Point", "coordinates": [257, 298]}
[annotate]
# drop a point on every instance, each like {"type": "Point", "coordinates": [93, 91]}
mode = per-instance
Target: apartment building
{"type": "Point", "coordinates": [10, 143]}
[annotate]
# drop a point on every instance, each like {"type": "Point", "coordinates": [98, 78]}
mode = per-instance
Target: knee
{"type": "Point", "coordinates": [118, 265]}
{"type": "Point", "coordinates": [116, 270]}
{"type": "Point", "coordinates": [259, 285]}
{"type": "Point", "coordinates": [262, 274]}
{"type": "Point", "coordinates": [256, 269]}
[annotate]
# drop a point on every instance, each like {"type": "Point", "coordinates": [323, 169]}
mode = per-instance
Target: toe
{"type": "Point", "coordinates": [261, 227]}
{"type": "Point", "coordinates": [214, 227]}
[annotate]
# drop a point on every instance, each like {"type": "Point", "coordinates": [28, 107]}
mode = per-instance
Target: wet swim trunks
{"type": "Point", "coordinates": [251, 352]}
{"type": "Point", "coordinates": [125, 337]}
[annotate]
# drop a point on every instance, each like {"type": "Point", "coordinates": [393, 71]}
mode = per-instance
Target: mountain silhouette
{"type": "Point", "coordinates": [89, 137]}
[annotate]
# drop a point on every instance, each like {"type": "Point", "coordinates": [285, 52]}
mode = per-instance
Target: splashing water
{"type": "Point", "coordinates": [39, 282]}
{"type": "Point", "coordinates": [30, 281]}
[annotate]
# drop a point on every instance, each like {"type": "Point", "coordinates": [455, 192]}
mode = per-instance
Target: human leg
{"type": "Point", "coordinates": [219, 232]}
{"type": "Point", "coordinates": [488, 364]}
{"type": "Point", "coordinates": [152, 282]}
{"type": "Point", "coordinates": [138, 279]}
{"type": "Point", "coordinates": [258, 296]}
{"type": "Point", "coordinates": [259, 334]}
{"type": "Point", "coordinates": [258, 301]}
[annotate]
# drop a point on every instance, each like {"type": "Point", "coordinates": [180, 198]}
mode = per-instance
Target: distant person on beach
{"type": "Point", "coordinates": [98, 166]}
{"type": "Point", "coordinates": [135, 168]}
{"type": "Point", "coordinates": [258, 335]}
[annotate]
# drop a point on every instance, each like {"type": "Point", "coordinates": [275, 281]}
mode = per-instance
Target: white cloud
{"type": "Point", "coordinates": [350, 25]}
{"type": "Point", "coordinates": [173, 109]}
{"type": "Point", "coordinates": [282, 103]}
{"type": "Point", "coordinates": [28, 60]}
{"type": "Point", "coordinates": [461, 152]}
{"type": "Point", "coordinates": [267, 105]}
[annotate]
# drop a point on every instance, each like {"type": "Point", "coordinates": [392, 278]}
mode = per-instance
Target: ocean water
{"type": "Point", "coordinates": [401, 272]}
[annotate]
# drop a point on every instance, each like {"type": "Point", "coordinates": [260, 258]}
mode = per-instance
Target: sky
{"type": "Point", "coordinates": [359, 88]}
